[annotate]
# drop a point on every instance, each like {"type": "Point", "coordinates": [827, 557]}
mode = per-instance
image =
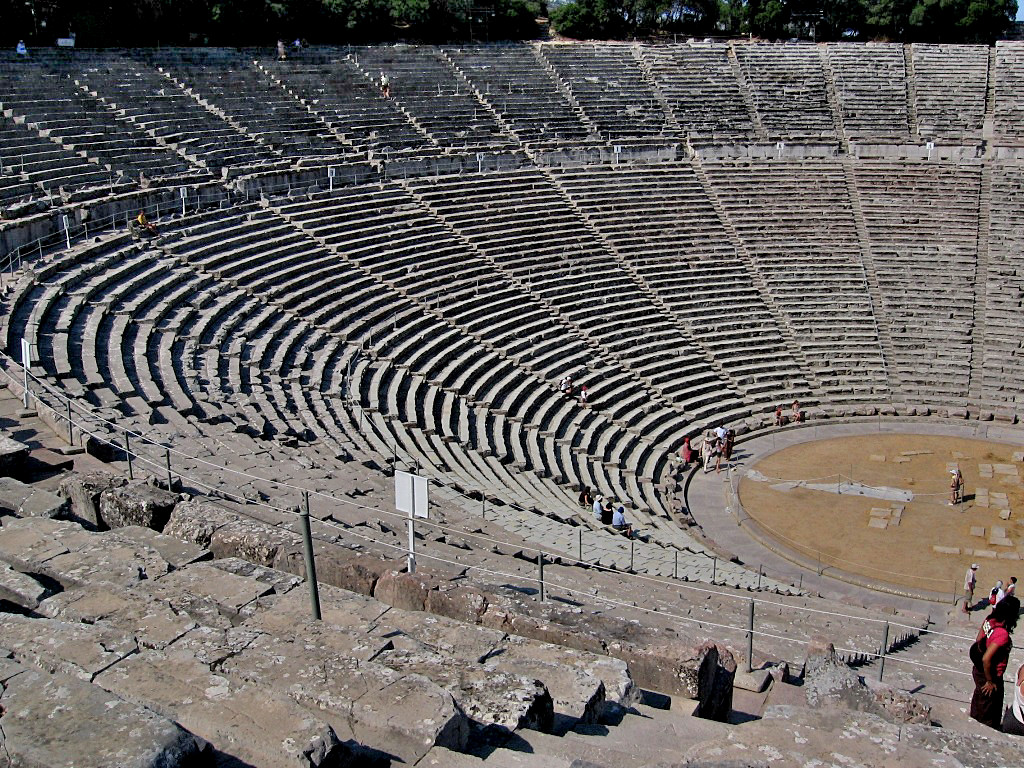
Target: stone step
{"type": "Point", "coordinates": [56, 719]}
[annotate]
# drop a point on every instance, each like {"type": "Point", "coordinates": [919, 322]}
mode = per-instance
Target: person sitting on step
{"type": "Point", "coordinates": [619, 522]}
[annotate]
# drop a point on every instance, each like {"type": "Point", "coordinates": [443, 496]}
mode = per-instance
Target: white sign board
{"type": "Point", "coordinates": [331, 172]}
{"type": "Point", "coordinates": [411, 494]}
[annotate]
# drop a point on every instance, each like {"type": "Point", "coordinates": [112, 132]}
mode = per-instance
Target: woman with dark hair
{"type": "Point", "coordinates": [990, 652]}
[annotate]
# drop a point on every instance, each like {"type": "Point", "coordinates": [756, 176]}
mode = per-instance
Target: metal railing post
{"type": "Point", "coordinates": [750, 639]}
{"type": "Point", "coordinates": [411, 556]}
{"type": "Point", "coordinates": [714, 569]}
{"type": "Point", "coordinates": [128, 454]}
{"type": "Point", "coordinates": [170, 479]}
{"type": "Point", "coordinates": [675, 563]}
{"type": "Point", "coordinates": [581, 545]}
{"type": "Point", "coordinates": [307, 546]}
{"type": "Point", "coordinates": [883, 651]}
{"type": "Point", "coordinates": [540, 574]}
{"type": "Point", "coordinates": [631, 555]}
{"type": "Point", "coordinates": [71, 425]}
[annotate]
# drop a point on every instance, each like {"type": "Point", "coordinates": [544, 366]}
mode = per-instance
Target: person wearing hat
{"type": "Point", "coordinates": [970, 582]}
{"type": "Point", "coordinates": [956, 487]}
{"type": "Point", "coordinates": [598, 507]}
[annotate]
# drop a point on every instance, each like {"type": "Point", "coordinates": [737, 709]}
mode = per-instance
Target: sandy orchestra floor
{"type": "Point", "coordinates": [813, 521]}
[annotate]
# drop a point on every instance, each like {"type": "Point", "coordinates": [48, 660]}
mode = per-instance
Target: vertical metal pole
{"type": "Point", "coordinates": [128, 453]}
{"type": "Point", "coordinates": [71, 426]}
{"type": "Point", "coordinates": [750, 639]}
{"type": "Point", "coordinates": [307, 542]}
{"type": "Point", "coordinates": [675, 564]}
{"type": "Point", "coordinates": [26, 361]}
{"type": "Point", "coordinates": [581, 545]}
{"type": "Point", "coordinates": [411, 558]}
{"type": "Point", "coordinates": [714, 569]}
{"type": "Point", "coordinates": [801, 586]}
{"type": "Point", "coordinates": [760, 571]}
{"type": "Point", "coordinates": [631, 542]}
{"type": "Point", "coordinates": [540, 574]}
{"type": "Point", "coordinates": [483, 506]}
{"type": "Point", "coordinates": [170, 479]}
{"type": "Point", "coordinates": [883, 651]}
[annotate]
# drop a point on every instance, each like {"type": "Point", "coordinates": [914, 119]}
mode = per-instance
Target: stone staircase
{"type": "Point", "coordinates": [981, 280]}
{"type": "Point", "coordinates": [756, 277]}
{"type": "Point", "coordinates": [878, 312]}
{"type": "Point", "coordinates": [747, 94]}
{"type": "Point", "coordinates": [833, 100]}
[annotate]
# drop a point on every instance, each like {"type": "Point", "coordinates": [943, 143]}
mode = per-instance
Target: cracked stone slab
{"type": "Point", "coordinates": [251, 721]}
{"type": "Point", "coordinates": [80, 650]}
{"type": "Point", "coordinates": [151, 622]}
{"type": "Point", "coordinates": [176, 552]}
{"type": "Point", "coordinates": [22, 500]}
{"type": "Point", "coordinates": [138, 503]}
{"type": "Point", "coordinates": [20, 588]}
{"type": "Point", "coordinates": [59, 721]}
{"type": "Point", "coordinates": [228, 591]}
{"type": "Point", "coordinates": [403, 714]}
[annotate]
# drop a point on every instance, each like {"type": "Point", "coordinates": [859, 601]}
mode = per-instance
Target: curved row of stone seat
{"type": "Point", "coordinates": [1003, 364]}
{"type": "Point", "coordinates": [871, 90]}
{"type": "Point", "coordinates": [610, 87]}
{"type": "Point", "coordinates": [585, 282]}
{"type": "Point", "coordinates": [53, 104]}
{"type": "Point", "coordinates": [788, 88]}
{"type": "Point", "coordinates": [156, 104]}
{"type": "Point", "coordinates": [428, 89]}
{"type": "Point", "coordinates": [49, 166]}
{"type": "Point", "coordinates": [1008, 110]}
{"type": "Point", "coordinates": [199, 242]}
{"type": "Point", "coordinates": [701, 88]}
{"type": "Point", "coordinates": [810, 264]}
{"type": "Point", "coordinates": [950, 84]}
{"type": "Point", "coordinates": [654, 214]}
{"type": "Point", "coordinates": [513, 80]}
{"type": "Point", "coordinates": [922, 224]}
{"type": "Point", "coordinates": [249, 99]}
{"type": "Point", "coordinates": [343, 224]}
{"type": "Point", "coordinates": [345, 98]}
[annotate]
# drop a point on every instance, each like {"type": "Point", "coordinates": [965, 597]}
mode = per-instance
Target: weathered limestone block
{"type": "Point", "coordinates": [58, 721]}
{"type": "Point", "coordinates": [80, 650]}
{"type": "Point", "coordinates": [12, 456]}
{"type": "Point", "coordinates": [195, 521]}
{"type": "Point", "coordinates": [338, 567]}
{"type": "Point", "coordinates": [137, 504]}
{"type": "Point", "coordinates": [151, 622]}
{"type": "Point", "coordinates": [229, 535]}
{"type": "Point", "coordinates": [828, 682]}
{"type": "Point", "coordinates": [19, 588]}
{"type": "Point", "coordinates": [403, 714]}
{"type": "Point", "coordinates": [62, 550]}
{"type": "Point", "coordinates": [407, 591]}
{"type": "Point", "coordinates": [176, 552]}
{"type": "Point", "coordinates": [248, 719]}
{"type": "Point", "coordinates": [21, 500]}
{"type": "Point", "coordinates": [207, 584]}
{"type": "Point", "coordinates": [83, 492]}
{"type": "Point", "coordinates": [490, 696]}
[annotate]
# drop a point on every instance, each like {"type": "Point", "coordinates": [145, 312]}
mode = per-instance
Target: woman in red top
{"type": "Point", "coordinates": [990, 657]}
{"type": "Point", "coordinates": [687, 452]}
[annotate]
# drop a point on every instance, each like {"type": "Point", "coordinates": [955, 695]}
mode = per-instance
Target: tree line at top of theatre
{"type": "Point", "coordinates": [261, 22]}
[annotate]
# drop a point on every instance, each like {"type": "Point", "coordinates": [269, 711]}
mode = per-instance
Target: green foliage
{"type": "Point", "coordinates": [261, 22]}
